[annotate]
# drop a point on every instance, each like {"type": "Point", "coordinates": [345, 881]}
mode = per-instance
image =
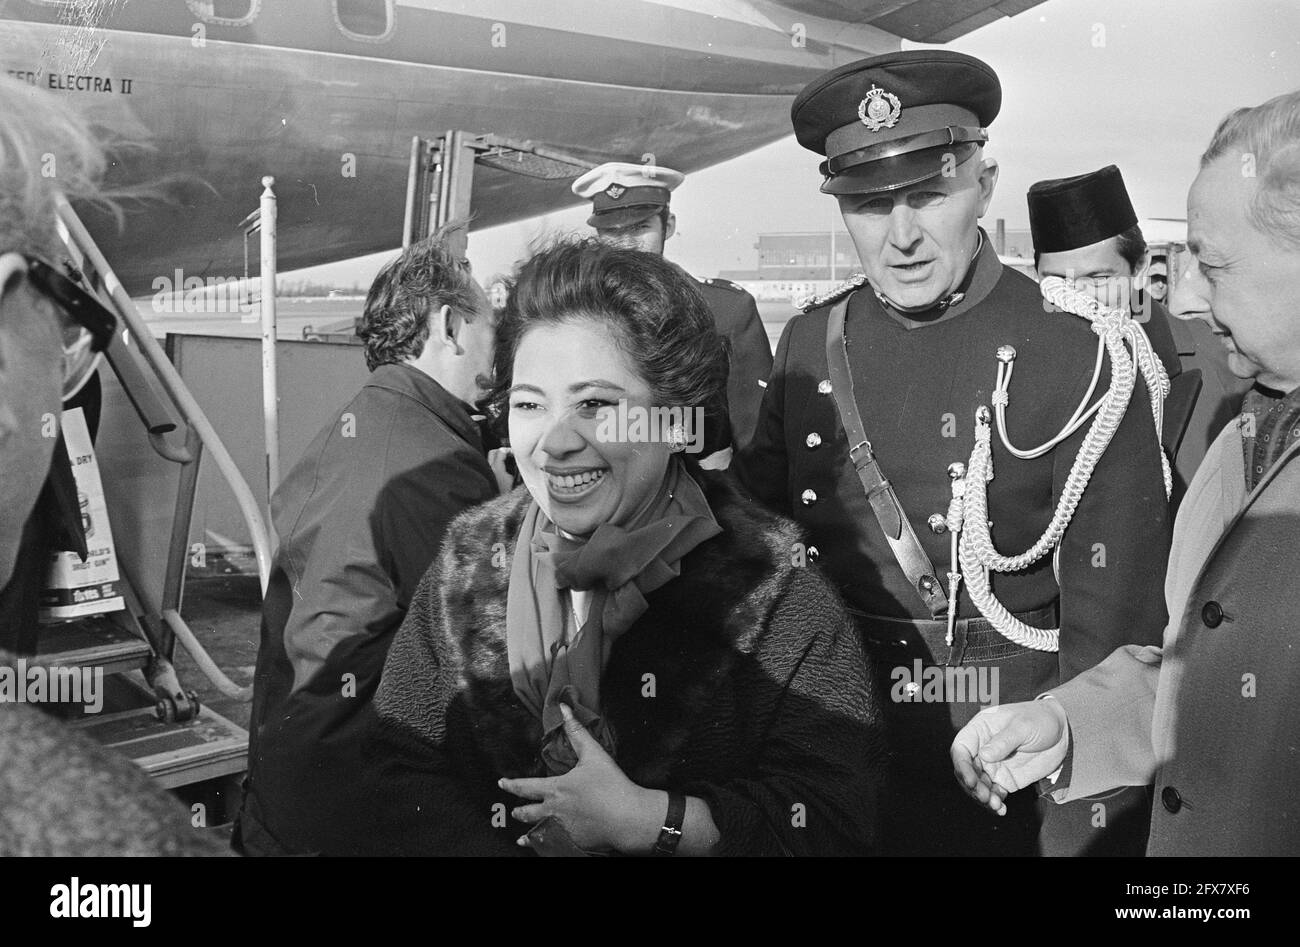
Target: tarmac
{"type": "Point", "coordinates": [224, 610]}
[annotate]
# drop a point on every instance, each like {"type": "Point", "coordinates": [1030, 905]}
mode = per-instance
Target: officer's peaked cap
{"type": "Point", "coordinates": [889, 121]}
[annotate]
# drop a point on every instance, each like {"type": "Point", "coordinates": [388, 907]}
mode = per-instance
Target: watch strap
{"type": "Point", "coordinates": [671, 833]}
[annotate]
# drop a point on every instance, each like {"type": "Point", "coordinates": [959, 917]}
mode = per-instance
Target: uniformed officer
{"type": "Point", "coordinates": [903, 357]}
{"type": "Point", "coordinates": [630, 209]}
{"type": "Point", "coordinates": [1084, 228]}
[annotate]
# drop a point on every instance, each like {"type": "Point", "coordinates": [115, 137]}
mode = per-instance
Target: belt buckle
{"type": "Point", "coordinates": [867, 457]}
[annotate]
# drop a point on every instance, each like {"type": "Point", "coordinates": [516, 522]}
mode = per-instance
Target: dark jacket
{"type": "Point", "coordinates": [359, 519]}
{"type": "Point", "coordinates": [1159, 329]}
{"type": "Point", "coordinates": [54, 525]}
{"type": "Point", "coordinates": [736, 316]}
{"type": "Point", "coordinates": [761, 705]}
{"type": "Point", "coordinates": [1220, 399]}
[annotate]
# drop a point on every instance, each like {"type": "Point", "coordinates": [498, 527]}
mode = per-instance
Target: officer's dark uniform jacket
{"type": "Point", "coordinates": [918, 385]}
{"type": "Point", "coordinates": [736, 316]}
{"type": "Point", "coordinates": [1159, 328]}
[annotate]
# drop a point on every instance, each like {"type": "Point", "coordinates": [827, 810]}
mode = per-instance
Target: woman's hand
{"type": "Point", "coordinates": [598, 805]}
{"type": "Point", "coordinates": [497, 458]}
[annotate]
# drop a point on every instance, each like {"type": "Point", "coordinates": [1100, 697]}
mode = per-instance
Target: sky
{"type": "Point", "coordinates": [1137, 83]}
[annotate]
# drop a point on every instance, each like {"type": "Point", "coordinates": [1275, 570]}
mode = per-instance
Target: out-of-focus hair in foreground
{"type": "Point", "coordinates": [45, 146]}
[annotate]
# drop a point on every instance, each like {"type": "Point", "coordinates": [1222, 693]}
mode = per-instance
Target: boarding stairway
{"type": "Point", "coordinates": [152, 437]}
{"type": "Point", "coordinates": [151, 420]}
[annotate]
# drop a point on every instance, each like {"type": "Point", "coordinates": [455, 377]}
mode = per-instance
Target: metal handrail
{"type": "Point", "coordinates": [174, 386]}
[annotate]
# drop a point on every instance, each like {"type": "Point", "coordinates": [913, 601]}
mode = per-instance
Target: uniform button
{"type": "Point", "coordinates": [824, 386]}
{"type": "Point", "coordinates": [1170, 799]}
{"type": "Point", "coordinates": [813, 440]}
{"type": "Point", "coordinates": [1212, 614]}
{"type": "Point", "coordinates": [809, 497]}
{"type": "Point", "coordinates": [813, 553]}
{"type": "Point", "coordinates": [938, 523]}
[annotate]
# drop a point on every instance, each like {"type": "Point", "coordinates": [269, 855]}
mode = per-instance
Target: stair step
{"type": "Point", "coordinates": [174, 754]}
{"type": "Point", "coordinates": [91, 642]}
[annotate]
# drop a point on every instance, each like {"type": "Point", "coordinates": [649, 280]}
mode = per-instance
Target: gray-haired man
{"type": "Point", "coordinates": [1211, 715]}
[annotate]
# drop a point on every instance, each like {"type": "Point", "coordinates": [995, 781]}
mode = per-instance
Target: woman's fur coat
{"type": "Point", "coordinates": [743, 683]}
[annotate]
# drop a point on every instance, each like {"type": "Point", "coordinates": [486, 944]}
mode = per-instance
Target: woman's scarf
{"type": "Point", "coordinates": [551, 660]}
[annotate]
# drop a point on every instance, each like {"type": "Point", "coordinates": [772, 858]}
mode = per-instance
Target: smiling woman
{"type": "Point", "coordinates": [582, 341]}
{"type": "Point", "coordinates": [625, 655]}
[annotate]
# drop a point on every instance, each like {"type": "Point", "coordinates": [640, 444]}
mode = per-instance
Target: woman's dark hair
{"type": "Point", "coordinates": [656, 314]}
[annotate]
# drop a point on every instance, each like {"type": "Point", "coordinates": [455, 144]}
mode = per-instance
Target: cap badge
{"type": "Point", "coordinates": [615, 191]}
{"type": "Point", "coordinates": [879, 109]}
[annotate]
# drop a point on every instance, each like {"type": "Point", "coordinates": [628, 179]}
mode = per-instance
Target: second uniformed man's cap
{"type": "Point", "coordinates": [889, 121]}
{"type": "Point", "coordinates": [1069, 213]}
{"type": "Point", "coordinates": [622, 194]}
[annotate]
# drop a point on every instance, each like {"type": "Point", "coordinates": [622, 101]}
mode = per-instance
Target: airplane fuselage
{"type": "Point", "coordinates": [330, 111]}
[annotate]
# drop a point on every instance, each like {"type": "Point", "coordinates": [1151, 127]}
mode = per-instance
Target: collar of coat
{"type": "Point", "coordinates": [414, 384]}
{"type": "Point", "coordinates": [696, 627]}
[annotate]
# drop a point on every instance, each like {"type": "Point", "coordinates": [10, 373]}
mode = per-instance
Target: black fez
{"type": "Point", "coordinates": [1069, 213]}
{"type": "Point", "coordinates": [889, 121]}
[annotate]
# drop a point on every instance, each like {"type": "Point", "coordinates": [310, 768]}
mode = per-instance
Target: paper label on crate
{"type": "Point", "coordinates": [74, 588]}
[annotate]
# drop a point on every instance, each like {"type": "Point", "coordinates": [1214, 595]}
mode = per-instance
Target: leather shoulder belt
{"type": "Point", "coordinates": [880, 492]}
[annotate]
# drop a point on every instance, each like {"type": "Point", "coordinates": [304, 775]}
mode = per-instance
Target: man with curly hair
{"type": "Point", "coordinates": [359, 519]}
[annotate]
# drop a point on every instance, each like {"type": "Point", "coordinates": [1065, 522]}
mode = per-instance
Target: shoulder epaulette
{"type": "Point", "coordinates": [836, 293]}
{"type": "Point", "coordinates": [724, 284]}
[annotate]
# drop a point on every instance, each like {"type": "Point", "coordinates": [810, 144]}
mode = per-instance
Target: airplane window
{"type": "Point", "coordinates": [365, 20]}
{"type": "Point", "coordinates": [225, 12]}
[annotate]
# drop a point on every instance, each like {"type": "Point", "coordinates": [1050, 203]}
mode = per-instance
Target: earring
{"type": "Point", "coordinates": [677, 438]}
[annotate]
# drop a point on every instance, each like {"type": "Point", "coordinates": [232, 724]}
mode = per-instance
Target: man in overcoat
{"type": "Point", "coordinates": [1211, 714]}
{"type": "Point", "coordinates": [360, 517]}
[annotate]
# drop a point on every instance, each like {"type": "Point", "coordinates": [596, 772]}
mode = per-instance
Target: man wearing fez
{"type": "Point", "coordinates": [1211, 716]}
{"type": "Point", "coordinates": [902, 357]}
{"type": "Point", "coordinates": [1084, 229]}
{"type": "Point", "coordinates": [629, 208]}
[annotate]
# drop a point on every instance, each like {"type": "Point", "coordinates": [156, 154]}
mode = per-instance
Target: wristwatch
{"type": "Point", "coordinates": [671, 833]}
